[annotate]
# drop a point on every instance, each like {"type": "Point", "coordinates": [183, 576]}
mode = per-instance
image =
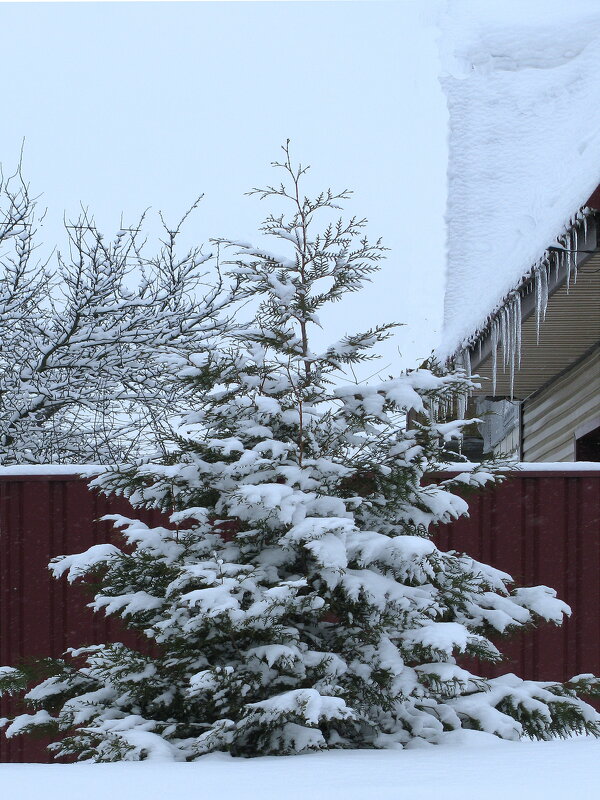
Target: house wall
{"type": "Point", "coordinates": [552, 415]}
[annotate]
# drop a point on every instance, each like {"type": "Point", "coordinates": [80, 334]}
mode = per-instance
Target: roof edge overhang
{"type": "Point", "coordinates": [556, 268]}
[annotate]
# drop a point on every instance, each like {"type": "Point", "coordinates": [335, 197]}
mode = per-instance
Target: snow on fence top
{"type": "Point", "coordinates": [91, 470]}
{"type": "Point", "coordinates": [524, 146]}
{"type": "Point", "coordinates": [532, 466]}
{"type": "Point", "coordinates": [82, 470]}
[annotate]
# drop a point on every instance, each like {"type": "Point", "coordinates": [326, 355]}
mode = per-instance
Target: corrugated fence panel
{"type": "Point", "coordinates": [540, 527]}
{"type": "Point", "coordinates": [42, 517]}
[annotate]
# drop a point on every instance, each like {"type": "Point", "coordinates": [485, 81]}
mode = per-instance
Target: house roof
{"type": "Point", "coordinates": [524, 157]}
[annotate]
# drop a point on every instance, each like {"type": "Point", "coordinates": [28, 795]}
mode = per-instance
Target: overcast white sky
{"type": "Point", "coordinates": [126, 105]}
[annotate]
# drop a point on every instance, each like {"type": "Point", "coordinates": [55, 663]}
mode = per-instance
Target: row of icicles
{"type": "Point", "coordinates": [505, 327]}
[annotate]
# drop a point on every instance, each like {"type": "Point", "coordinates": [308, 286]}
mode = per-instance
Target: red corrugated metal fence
{"type": "Point", "coordinates": [43, 516]}
{"type": "Point", "coordinates": [542, 527]}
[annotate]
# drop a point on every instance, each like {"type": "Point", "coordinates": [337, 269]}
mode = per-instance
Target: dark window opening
{"type": "Point", "coordinates": [587, 448]}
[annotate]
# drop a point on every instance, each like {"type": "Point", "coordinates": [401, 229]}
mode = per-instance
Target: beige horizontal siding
{"type": "Point", "coordinates": [552, 415]}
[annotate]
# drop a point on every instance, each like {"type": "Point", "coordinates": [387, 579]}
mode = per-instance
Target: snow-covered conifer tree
{"type": "Point", "coordinates": [297, 601]}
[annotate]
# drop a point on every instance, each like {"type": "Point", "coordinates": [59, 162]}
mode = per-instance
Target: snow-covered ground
{"type": "Point", "coordinates": [474, 766]}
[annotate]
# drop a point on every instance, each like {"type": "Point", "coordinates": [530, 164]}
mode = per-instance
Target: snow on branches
{"type": "Point", "coordinates": [85, 352]}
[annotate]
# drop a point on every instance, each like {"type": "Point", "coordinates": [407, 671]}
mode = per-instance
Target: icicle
{"type": "Point", "coordinates": [575, 248]}
{"type": "Point", "coordinates": [585, 227]}
{"type": "Point", "coordinates": [461, 400]}
{"type": "Point", "coordinates": [503, 336]}
{"type": "Point", "coordinates": [514, 337]}
{"type": "Point", "coordinates": [544, 281]}
{"type": "Point", "coordinates": [462, 405]}
{"type": "Point", "coordinates": [494, 333]}
{"type": "Point", "coordinates": [518, 321]}
{"type": "Point", "coordinates": [467, 362]}
{"type": "Point", "coordinates": [568, 256]}
{"type": "Point", "coordinates": [507, 346]}
{"type": "Point", "coordinates": [433, 410]}
{"type": "Point", "coordinates": [512, 340]}
{"type": "Point", "coordinates": [511, 332]}
{"type": "Point", "coordinates": [556, 265]}
{"type": "Point", "coordinates": [538, 301]}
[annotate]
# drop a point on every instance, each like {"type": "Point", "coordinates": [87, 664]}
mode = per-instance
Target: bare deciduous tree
{"type": "Point", "coordinates": [87, 345]}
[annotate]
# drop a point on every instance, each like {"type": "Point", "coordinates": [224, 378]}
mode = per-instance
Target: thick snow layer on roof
{"type": "Point", "coordinates": [523, 96]}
